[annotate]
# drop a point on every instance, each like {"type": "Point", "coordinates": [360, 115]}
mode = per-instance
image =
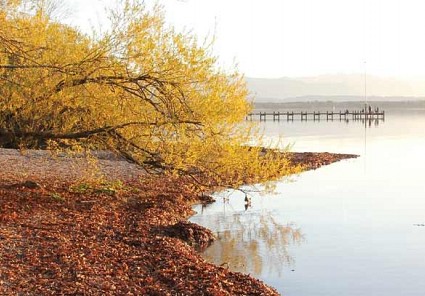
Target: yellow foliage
{"type": "Point", "coordinates": [142, 90]}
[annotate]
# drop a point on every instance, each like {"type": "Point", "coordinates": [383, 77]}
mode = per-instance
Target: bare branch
{"type": "Point", "coordinates": [85, 134]}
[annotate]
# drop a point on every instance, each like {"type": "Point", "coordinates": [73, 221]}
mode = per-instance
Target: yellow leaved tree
{"type": "Point", "coordinates": [141, 89]}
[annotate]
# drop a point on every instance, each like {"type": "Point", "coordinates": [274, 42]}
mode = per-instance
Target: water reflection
{"type": "Point", "coordinates": [251, 241]}
{"type": "Point", "coordinates": [368, 122]}
{"type": "Point", "coordinates": [360, 216]}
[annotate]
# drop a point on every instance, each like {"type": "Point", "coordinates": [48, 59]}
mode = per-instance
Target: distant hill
{"type": "Point", "coordinates": [334, 88]}
{"type": "Point", "coordinates": [390, 106]}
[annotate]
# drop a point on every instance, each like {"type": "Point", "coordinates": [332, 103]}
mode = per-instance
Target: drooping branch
{"type": "Point", "coordinates": [88, 133]}
{"type": "Point", "coordinates": [153, 160]}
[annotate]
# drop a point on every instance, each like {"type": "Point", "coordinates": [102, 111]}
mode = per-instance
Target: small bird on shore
{"type": "Point", "coordinates": [247, 200]}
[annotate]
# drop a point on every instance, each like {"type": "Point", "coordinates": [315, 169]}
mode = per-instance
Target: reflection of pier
{"type": "Point", "coordinates": [300, 115]}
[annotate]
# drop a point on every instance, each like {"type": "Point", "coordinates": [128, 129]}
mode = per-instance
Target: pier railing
{"type": "Point", "coordinates": [341, 115]}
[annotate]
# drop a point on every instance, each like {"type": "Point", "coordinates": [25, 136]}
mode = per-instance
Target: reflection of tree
{"type": "Point", "coordinates": [252, 242]}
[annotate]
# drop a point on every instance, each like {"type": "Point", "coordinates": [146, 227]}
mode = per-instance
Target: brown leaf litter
{"type": "Point", "coordinates": [55, 240]}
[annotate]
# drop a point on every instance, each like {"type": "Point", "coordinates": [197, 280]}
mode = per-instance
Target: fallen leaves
{"type": "Point", "coordinates": [98, 244]}
{"type": "Point", "coordinates": [314, 160]}
{"type": "Point", "coordinates": [134, 242]}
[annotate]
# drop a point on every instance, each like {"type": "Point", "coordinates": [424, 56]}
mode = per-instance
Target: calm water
{"type": "Point", "coordinates": [350, 228]}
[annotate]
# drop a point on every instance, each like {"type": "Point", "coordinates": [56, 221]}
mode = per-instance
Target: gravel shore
{"type": "Point", "coordinates": [61, 238]}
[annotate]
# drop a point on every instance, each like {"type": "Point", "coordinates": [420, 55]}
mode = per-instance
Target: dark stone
{"type": "Point", "coordinates": [191, 233]}
{"type": "Point", "coordinates": [31, 185]}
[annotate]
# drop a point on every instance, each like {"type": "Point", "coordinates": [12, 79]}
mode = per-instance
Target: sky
{"type": "Point", "coordinates": [296, 38]}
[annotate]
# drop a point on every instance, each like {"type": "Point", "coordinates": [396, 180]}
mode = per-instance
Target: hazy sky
{"type": "Point", "coordinates": [275, 38]}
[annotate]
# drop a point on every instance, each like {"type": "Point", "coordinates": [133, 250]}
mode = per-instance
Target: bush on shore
{"type": "Point", "coordinates": [140, 89]}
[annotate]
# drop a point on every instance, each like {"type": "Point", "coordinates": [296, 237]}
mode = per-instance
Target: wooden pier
{"type": "Point", "coordinates": [304, 116]}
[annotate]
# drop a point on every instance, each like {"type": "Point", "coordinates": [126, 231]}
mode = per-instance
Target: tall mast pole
{"type": "Point", "coordinates": [365, 91]}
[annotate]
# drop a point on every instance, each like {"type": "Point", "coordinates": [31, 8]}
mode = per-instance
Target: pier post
{"type": "Point", "coordinates": [304, 115]}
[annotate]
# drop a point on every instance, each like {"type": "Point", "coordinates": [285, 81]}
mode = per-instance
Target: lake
{"type": "Point", "coordinates": [355, 227]}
